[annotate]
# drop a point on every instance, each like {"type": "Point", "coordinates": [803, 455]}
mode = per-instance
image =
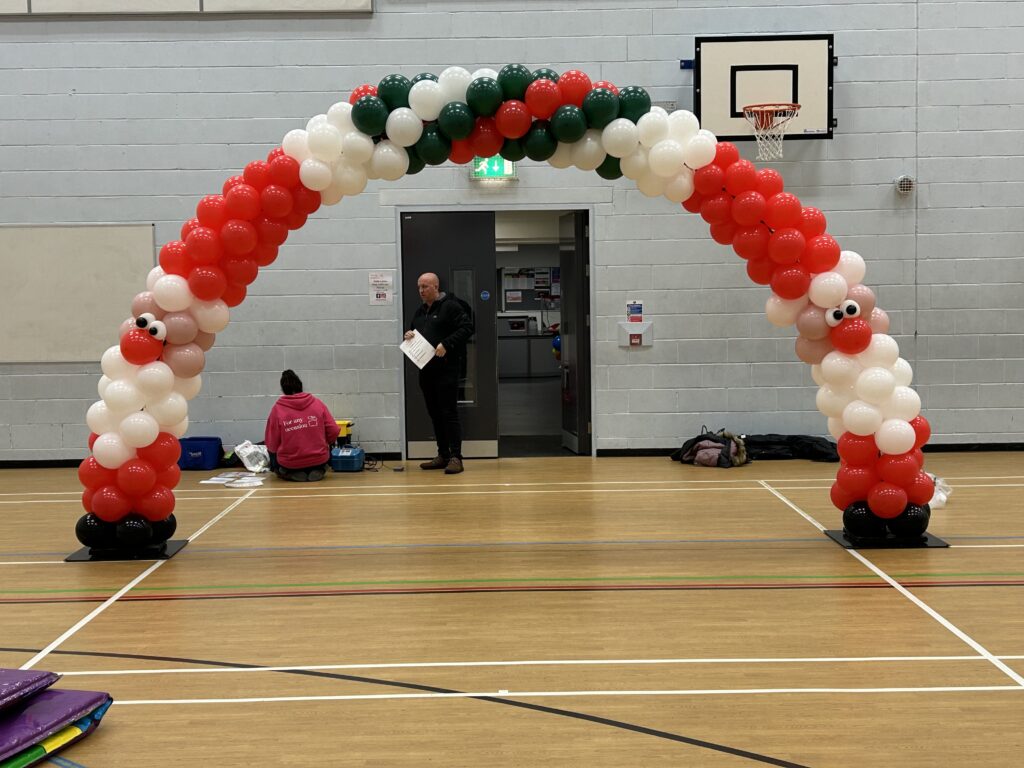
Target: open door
{"type": "Point", "coordinates": [574, 248]}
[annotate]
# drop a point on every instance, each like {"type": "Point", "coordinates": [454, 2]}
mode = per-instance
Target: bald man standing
{"type": "Point", "coordinates": [443, 322]}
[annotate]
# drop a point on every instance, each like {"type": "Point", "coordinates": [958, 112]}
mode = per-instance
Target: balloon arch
{"type": "Point", "coordinates": [400, 126]}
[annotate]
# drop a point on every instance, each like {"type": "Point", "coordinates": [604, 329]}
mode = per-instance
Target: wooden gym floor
{"type": "Point", "coordinates": [533, 612]}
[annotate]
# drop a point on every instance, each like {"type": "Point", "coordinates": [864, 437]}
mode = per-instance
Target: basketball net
{"type": "Point", "coordinates": [769, 122]}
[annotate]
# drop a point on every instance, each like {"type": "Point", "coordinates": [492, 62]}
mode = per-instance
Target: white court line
{"type": "Point", "coordinates": [978, 647]}
{"type": "Point", "coordinates": [503, 694]}
{"type": "Point", "coordinates": [984, 546]}
{"type": "Point", "coordinates": [265, 497]}
{"type": "Point", "coordinates": [533, 663]}
{"type": "Point", "coordinates": [33, 562]}
{"type": "Point", "coordinates": [121, 592]}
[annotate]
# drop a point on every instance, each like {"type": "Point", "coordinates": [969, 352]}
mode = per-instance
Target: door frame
{"type": "Point", "coordinates": [400, 209]}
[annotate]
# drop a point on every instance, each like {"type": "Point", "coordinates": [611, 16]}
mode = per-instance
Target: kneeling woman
{"type": "Point", "coordinates": [300, 432]}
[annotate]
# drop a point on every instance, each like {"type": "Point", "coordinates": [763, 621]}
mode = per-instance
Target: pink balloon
{"type": "Point", "coordinates": [126, 326]}
{"type": "Point", "coordinates": [144, 302]}
{"type": "Point", "coordinates": [181, 327]}
{"type": "Point", "coordinates": [864, 297]}
{"type": "Point", "coordinates": [813, 351]}
{"type": "Point", "coordinates": [205, 340]}
{"type": "Point", "coordinates": [878, 321]}
{"type": "Point", "coordinates": [185, 360]}
{"type": "Point", "coordinates": [811, 323]}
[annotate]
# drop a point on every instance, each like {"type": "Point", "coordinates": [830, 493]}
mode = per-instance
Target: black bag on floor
{"type": "Point", "coordinates": [769, 447]}
{"type": "Point", "coordinates": [712, 449]}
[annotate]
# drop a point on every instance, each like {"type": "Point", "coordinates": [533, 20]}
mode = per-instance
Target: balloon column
{"type": "Point", "coordinates": [401, 125]}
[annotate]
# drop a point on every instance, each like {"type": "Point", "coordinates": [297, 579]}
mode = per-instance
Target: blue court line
{"type": "Point", "coordinates": [63, 762]}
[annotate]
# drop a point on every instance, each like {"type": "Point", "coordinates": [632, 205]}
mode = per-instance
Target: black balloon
{"type": "Point", "coordinates": [134, 532]}
{"type": "Point", "coordinates": [163, 530]}
{"type": "Point", "coordinates": [95, 533]}
{"type": "Point", "coordinates": [859, 521]}
{"type": "Point", "coordinates": [911, 522]}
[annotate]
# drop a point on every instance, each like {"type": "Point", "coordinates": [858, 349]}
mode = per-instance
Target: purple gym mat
{"type": "Point", "coordinates": [16, 684]}
{"type": "Point", "coordinates": [46, 713]}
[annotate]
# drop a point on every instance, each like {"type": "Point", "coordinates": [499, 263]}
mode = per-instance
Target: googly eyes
{"type": "Point", "coordinates": [850, 308]}
{"type": "Point", "coordinates": [145, 319]}
{"type": "Point", "coordinates": [155, 328]}
{"type": "Point", "coordinates": [836, 315]}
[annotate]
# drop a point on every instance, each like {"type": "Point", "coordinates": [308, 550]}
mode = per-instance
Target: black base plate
{"type": "Point", "coordinates": [889, 542]}
{"type": "Point", "coordinates": [165, 551]}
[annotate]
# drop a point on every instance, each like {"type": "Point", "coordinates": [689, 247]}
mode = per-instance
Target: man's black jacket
{"type": "Point", "coordinates": [445, 323]}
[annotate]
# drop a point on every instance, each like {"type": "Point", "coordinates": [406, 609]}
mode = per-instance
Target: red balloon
{"type": "Point", "coordinates": [769, 182]}
{"type": "Point", "coordinates": [607, 86]}
{"type": "Point", "coordinates": [273, 154]}
{"type": "Point", "coordinates": [307, 201]}
{"type": "Point", "coordinates": [207, 282]}
{"type": "Point", "coordinates": [783, 210]}
{"type": "Point", "coordinates": [709, 180]}
{"type": "Point", "coordinates": [841, 498]}
{"type": "Point", "coordinates": [740, 176]}
{"type": "Point", "coordinates": [898, 469]}
{"type": "Point", "coordinates": [136, 477]}
{"type": "Point", "coordinates": [857, 481]}
{"type": "Point", "coordinates": [236, 180]}
{"type": "Point", "coordinates": [812, 222]}
{"type": "Point", "coordinates": [693, 202]}
{"type": "Point", "coordinates": [751, 242]}
{"type": "Point", "coordinates": [257, 174]}
{"type": "Point", "coordinates": [726, 154]}
{"type": "Point", "coordinates": [513, 117]}
{"type": "Point", "coordinates": [462, 151]}
{"type": "Point", "coordinates": [188, 226]}
{"type": "Point", "coordinates": [574, 85]}
{"type": "Point", "coordinates": [921, 489]}
{"type": "Point", "coordinates": [363, 90]}
{"type": "Point", "coordinates": [210, 211]}
{"type": "Point", "coordinates": [791, 282]}
{"type": "Point", "coordinates": [295, 219]}
{"type": "Point", "coordinates": [821, 253]}
{"type": "Point", "coordinates": [234, 294]}
{"type": "Point", "coordinates": [723, 232]}
{"type": "Point", "coordinates": [203, 246]}
{"type": "Point", "coordinates": [786, 246]}
{"type": "Point", "coordinates": [238, 237]}
{"type": "Point", "coordinates": [887, 500]}
{"type": "Point", "coordinates": [92, 474]}
{"type": "Point", "coordinates": [276, 201]}
{"type": "Point", "coordinates": [922, 429]}
{"type": "Point", "coordinates": [485, 139]}
{"type": "Point", "coordinates": [748, 207]}
{"type": "Point", "coordinates": [858, 450]}
{"type": "Point", "coordinates": [851, 336]}
{"type": "Point", "coordinates": [265, 254]}
{"type": "Point", "coordinates": [284, 171]}
{"type": "Point", "coordinates": [717, 209]}
{"type": "Point", "coordinates": [761, 270]}
{"type": "Point", "coordinates": [110, 504]}
{"type": "Point", "coordinates": [272, 231]}
{"type": "Point", "coordinates": [542, 99]}
{"type": "Point", "coordinates": [156, 505]}
{"type": "Point", "coordinates": [174, 258]}
{"type": "Point", "coordinates": [93, 437]}
{"type": "Point", "coordinates": [170, 477]}
{"type": "Point", "coordinates": [139, 348]}
{"type": "Point", "coordinates": [162, 452]}
{"type": "Point", "coordinates": [918, 456]}
{"type": "Point", "coordinates": [239, 270]}
{"type": "Point", "coordinates": [242, 202]}
{"type": "Point", "coordinates": [87, 495]}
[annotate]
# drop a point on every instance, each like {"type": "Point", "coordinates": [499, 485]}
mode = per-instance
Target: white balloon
{"type": "Point", "coordinates": [861, 418]}
{"type": "Point", "coordinates": [588, 152]}
{"type": "Point", "coordinates": [110, 450]}
{"type": "Point", "coordinates": [831, 402]}
{"type": "Point", "coordinates": [122, 396]}
{"type": "Point", "coordinates": [851, 266]}
{"type": "Point", "coordinates": [680, 186]}
{"type": "Point", "coordinates": [562, 158]}
{"type": "Point", "coordinates": [652, 128]}
{"type": "Point", "coordinates": [404, 127]}
{"type": "Point", "coordinates": [895, 436]}
{"type": "Point", "coordinates": [332, 195]}
{"type": "Point", "coordinates": [389, 161]}
{"type": "Point", "coordinates": [882, 351]}
{"type": "Point", "coordinates": [699, 151]}
{"type": "Point", "coordinates": [426, 99]}
{"type": "Point", "coordinates": [100, 419]}
{"type": "Point", "coordinates": [666, 158]}
{"type": "Point", "coordinates": [454, 81]}
{"type": "Point", "coordinates": [188, 388]}
{"type": "Point", "coordinates": [904, 403]}
{"type": "Point", "coordinates": [316, 120]}
{"type": "Point", "coordinates": [659, 110]}
{"type": "Point", "coordinates": [315, 174]}
{"type": "Point", "coordinates": [325, 142]}
{"type": "Point", "coordinates": [782, 312]}
{"type": "Point", "coordinates": [154, 274]}
{"type": "Point", "coordinates": [139, 429]}
{"type": "Point", "coordinates": [620, 138]}
{"type": "Point", "coordinates": [836, 428]}
{"type": "Point", "coordinates": [484, 72]}
{"type": "Point", "coordinates": [651, 184]}
{"type": "Point", "coordinates": [683, 125]}
{"type": "Point", "coordinates": [816, 375]}
{"type": "Point", "coordinates": [875, 385]}
{"type": "Point", "coordinates": [171, 293]}
{"type": "Point", "coordinates": [296, 144]}
{"type": "Point", "coordinates": [707, 134]}
{"type": "Point", "coordinates": [357, 146]}
{"type": "Point", "coordinates": [101, 385]}
{"type": "Point", "coordinates": [340, 116]}
{"type": "Point", "coordinates": [351, 179]}
{"type": "Point", "coordinates": [170, 410]}
{"type": "Point", "coordinates": [827, 289]}
{"type": "Point", "coordinates": [211, 316]}
{"type": "Point", "coordinates": [840, 369]}
{"type": "Point", "coordinates": [114, 366]}
{"type": "Point", "coordinates": [154, 380]}
{"type": "Point", "coordinates": [903, 372]}
{"type": "Point", "coordinates": [634, 165]}
{"type": "Point", "coordinates": [179, 429]}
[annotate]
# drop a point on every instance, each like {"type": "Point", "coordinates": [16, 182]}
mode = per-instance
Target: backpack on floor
{"type": "Point", "coordinates": [712, 449]}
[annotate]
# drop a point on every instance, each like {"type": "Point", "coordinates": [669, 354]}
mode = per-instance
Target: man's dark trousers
{"type": "Point", "coordinates": [439, 382]}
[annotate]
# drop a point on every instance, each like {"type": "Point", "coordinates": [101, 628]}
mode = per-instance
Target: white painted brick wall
{"type": "Point", "coordinates": [135, 119]}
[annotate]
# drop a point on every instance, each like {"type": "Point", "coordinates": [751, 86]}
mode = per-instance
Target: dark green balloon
{"type": "Point", "coordinates": [610, 169]}
{"type": "Point", "coordinates": [601, 106]}
{"type": "Point", "coordinates": [545, 74]}
{"type": "Point", "coordinates": [539, 142]}
{"type": "Point", "coordinates": [484, 96]}
{"type": "Point", "coordinates": [513, 149]}
{"type": "Point", "coordinates": [514, 79]}
{"type": "Point", "coordinates": [634, 102]}
{"type": "Point", "coordinates": [415, 161]}
{"type": "Point", "coordinates": [568, 124]}
{"type": "Point", "coordinates": [456, 120]}
{"type": "Point", "coordinates": [394, 91]}
{"type": "Point", "coordinates": [370, 115]}
{"type": "Point", "coordinates": [423, 76]}
{"type": "Point", "coordinates": [433, 148]}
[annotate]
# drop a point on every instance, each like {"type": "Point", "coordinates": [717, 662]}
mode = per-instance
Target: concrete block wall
{"type": "Point", "coordinates": [134, 119]}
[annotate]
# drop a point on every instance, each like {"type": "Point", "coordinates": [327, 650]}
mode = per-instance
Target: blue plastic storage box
{"type": "Point", "coordinates": [201, 453]}
{"type": "Point", "coordinates": [347, 458]}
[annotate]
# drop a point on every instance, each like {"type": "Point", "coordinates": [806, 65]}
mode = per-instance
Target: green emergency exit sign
{"type": "Point", "coordinates": [496, 167]}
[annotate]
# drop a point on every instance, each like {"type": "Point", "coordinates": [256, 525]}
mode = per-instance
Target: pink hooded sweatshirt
{"type": "Point", "coordinates": [300, 430]}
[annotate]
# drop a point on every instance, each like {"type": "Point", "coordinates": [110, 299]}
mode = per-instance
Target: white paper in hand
{"type": "Point", "coordinates": [418, 349]}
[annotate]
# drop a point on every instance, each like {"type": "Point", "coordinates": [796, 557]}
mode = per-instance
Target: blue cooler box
{"type": "Point", "coordinates": [347, 458]}
{"type": "Point", "coordinates": [200, 453]}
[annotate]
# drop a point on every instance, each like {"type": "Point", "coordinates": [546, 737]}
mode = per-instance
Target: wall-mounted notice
{"type": "Point", "coordinates": [382, 288]}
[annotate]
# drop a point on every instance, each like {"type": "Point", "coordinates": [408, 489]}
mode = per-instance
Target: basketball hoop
{"type": "Point", "coordinates": [769, 123]}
